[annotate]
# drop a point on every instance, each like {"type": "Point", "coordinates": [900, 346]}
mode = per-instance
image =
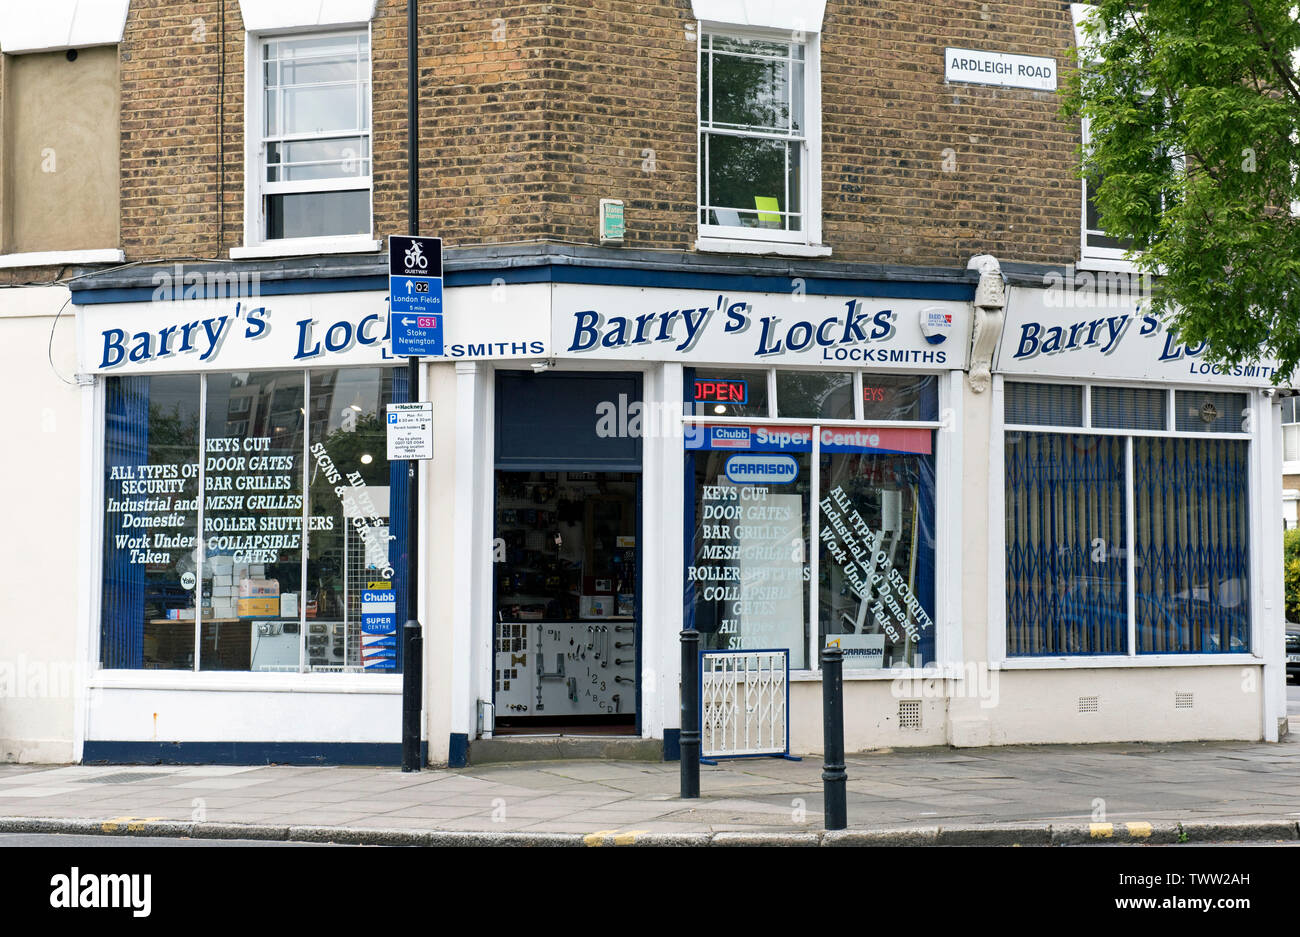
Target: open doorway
{"type": "Point", "coordinates": [566, 558]}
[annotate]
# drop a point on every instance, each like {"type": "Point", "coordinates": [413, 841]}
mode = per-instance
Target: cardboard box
{"type": "Point", "coordinates": [258, 607]}
{"type": "Point", "coordinates": [259, 588]}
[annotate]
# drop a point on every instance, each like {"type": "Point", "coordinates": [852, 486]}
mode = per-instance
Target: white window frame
{"type": "Point", "coordinates": [256, 187]}
{"type": "Point", "coordinates": [997, 536]}
{"type": "Point", "coordinates": [1113, 256]}
{"type": "Point", "coordinates": [947, 455]}
{"type": "Point", "coordinates": [737, 239]}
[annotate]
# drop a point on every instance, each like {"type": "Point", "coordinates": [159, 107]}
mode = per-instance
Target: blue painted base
{"type": "Point", "coordinates": [378, 754]}
{"type": "Point", "coordinates": [672, 744]}
{"type": "Point", "coordinates": [458, 750]}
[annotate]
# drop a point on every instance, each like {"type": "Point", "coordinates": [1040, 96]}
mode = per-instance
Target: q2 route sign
{"type": "Point", "coordinates": [410, 430]}
{"type": "Point", "coordinates": [415, 295]}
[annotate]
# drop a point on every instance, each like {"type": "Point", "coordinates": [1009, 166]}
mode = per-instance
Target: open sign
{"type": "Point", "coordinates": [721, 391]}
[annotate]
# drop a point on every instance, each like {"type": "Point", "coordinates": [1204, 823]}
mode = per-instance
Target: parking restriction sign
{"type": "Point", "coordinates": [410, 430]}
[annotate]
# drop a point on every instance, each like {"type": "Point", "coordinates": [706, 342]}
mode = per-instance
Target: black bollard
{"type": "Point", "coordinates": [412, 692]}
{"type": "Point", "coordinates": [690, 730]}
{"type": "Point", "coordinates": [834, 778]}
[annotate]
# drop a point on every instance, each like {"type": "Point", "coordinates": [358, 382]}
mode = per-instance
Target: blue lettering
{"type": "Point", "coordinates": [1028, 346]}
{"type": "Point", "coordinates": [584, 331]}
{"type": "Point", "coordinates": [306, 347]}
{"type": "Point", "coordinates": [113, 350]}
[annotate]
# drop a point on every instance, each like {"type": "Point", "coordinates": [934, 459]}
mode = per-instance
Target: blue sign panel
{"type": "Point", "coordinates": [415, 295]}
{"type": "Point", "coordinates": [379, 627]}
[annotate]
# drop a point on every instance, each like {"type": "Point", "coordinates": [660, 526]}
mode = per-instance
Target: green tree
{"type": "Point", "coordinates": [1291, 573]}
{"type": "Point", "coordinates": [1194, 106]}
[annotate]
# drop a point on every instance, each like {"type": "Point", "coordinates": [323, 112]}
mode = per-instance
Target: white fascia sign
{"type": "Point", "coordinates": [611, 323]}
{"type": "Point", "coordinates": [999, 68]}
{"type": "Point", "coordinates": [1099, 333]}
{"type": "Point", "coordinates": [252, 331]}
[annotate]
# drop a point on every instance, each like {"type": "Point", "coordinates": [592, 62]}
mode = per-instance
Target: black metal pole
{"type": "Point", "coordinates": [690, 730]}
{"type": "Point", "coordinates": [834, 777]}
{"type": "Point", "coordinates": [412, 639]}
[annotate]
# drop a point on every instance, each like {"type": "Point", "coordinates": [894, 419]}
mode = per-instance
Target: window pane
{"type": "Point", "coordinates": [746, 585]}
{"type": "Point", "coordinates": [814, 394]}
{"type": "Point", "coordinates": [151, 490]}
{"type": "Point", "coordinates": [318, 214]}
{"type": "Point", "coordinates": [1291, 443]}
{"type": "Point", "coordinates": [1096, 236]}
{"type": "Point", "coordinates": [252, 522]}
{"type": "Point", "coordinates": [1129, 408]}
{"type": "Point", "coordinates": [1043, 404]}
{"type": "Point", "coordinates": [1207, 411]}
{"type": "Point", "coordinates": [724, 392]}
{"type": "Point", "coordinates": [316, 69]}
{"type": "Point", "coordinates": [753, 93]}
{"type": "Point", "coordinates": [742, 170]}
{"type": "Point", "coordinates": [356, 581]}
{"type": "Point", "coordinates": [876, 591]}
{"type": "Point", "coordinates": [1066, 565]}
{"type": "Point", "coordinates": [325, 109]}
{"type": "Point", "coordinates": [900, 397]}
{"type": "Point", "coordinates": [318, 159]}
{"type": "Point", "coordinates": [1193, 583]}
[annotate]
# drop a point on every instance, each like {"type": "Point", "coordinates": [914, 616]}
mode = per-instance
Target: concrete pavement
{"type": "Point", "coordinates": [1054, 794]}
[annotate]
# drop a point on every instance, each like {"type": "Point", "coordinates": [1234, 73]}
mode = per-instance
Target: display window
{"type": "Point", "coordinates": [802, 534]}
{"type": "Point", "coordinates": [253, 522]}
{"type": "Point", "coordinates": [1127, 520]}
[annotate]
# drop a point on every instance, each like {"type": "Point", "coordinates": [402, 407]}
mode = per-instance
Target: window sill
{"type": "Point", "coordinates": [1107, 264]}
{"type": "Point", "coordinates": [300, 247]}
{"type": "Point", "coordinates": [1119, 662]}
{"type": "Point", "coordinates": [59, 258]}
{"type": "Point", "coordinates": [246, 682]}
{"type": "Point", "coordinates": [779, 248]}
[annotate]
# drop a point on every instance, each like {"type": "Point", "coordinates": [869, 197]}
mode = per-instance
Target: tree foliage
{"type": "Point", "coordinates": [1194, 107]}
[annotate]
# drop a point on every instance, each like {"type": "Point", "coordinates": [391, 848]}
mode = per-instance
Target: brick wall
{"type": "Point", "coordinates": [532, 112]}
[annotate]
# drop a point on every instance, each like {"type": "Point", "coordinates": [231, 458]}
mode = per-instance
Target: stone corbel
{"type": "Point", "coordinates": [990, 300]}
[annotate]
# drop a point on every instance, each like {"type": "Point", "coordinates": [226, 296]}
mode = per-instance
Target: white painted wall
{"type": "Point", "coordinates": [1040, 707]}
{"type": "Point", "coordinates": [237, 713]}
{"type": "Point", "coordinates": [438, 571]}
{"type": "Point", "coordinates": [39, 556]}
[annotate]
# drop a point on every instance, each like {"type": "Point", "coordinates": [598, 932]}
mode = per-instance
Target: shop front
{"type": "Point", "coordinates": [1137, 577]}
{"type": "Point", "coordinates": [1078, 552]}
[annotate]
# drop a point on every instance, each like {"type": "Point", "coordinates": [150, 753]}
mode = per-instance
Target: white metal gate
{"type": "Point", "coordinates": [744, 703]}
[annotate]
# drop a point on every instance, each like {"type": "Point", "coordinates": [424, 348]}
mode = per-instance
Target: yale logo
{"type": "Point", "coordinates": [75, 890]}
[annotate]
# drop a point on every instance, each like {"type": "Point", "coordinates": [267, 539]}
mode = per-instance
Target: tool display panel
{"type": "Point", "coordinates": [565, 581]}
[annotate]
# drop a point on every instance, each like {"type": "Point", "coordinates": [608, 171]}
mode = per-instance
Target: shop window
{"type": "Point", "coordinates": [762, 497]}
{"type": "Point", "coordinates": [759, 156]}
{"type": "Point", "coordinates": [876, 549]}
{"type": "Point", "coordinates": [826, 395]}
{"type": "Point", "coordinates": [151, 480]}
{"type": "Point", "coordinates": [897, 397]}
{"type": "Point", "coordinates": [300, 566]}
{"type": "Point", "coordinates": [1120, 542]}
{"type": "Point", "coordinates": [718, 392]}
{"type": "Point", "coordinates": [312, 162]}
